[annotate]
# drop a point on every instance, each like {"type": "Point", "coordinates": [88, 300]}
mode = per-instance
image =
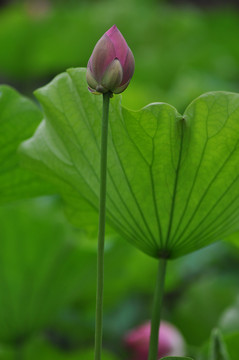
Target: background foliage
{"type": "Point", "coordinates": [181, 52]}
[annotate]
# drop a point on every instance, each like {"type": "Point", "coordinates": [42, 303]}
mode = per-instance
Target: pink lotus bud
{"type": "Point", "coordinates": [111, 65]}
{"type": "Point", "coordinates": [171, 342]}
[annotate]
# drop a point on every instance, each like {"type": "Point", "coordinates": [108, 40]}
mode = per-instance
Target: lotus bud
{"type": "Point", "coordinates": [171, 342]}
{"type": "Point", "coordinates": [111, 65]}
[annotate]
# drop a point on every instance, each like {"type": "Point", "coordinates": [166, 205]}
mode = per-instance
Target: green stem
{"type": "Point", "coordinates": [101, 233]}
{"type": "Point", "coordinates": [156, 313]}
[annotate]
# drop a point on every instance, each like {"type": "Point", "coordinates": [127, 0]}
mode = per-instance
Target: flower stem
{"type": "Point", "coordinates": [101, 233]}
{"type": "Point", "coordinates": [156, 313]}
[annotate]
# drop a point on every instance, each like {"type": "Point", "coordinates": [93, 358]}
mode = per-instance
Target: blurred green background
{"type": "Point", "coordinates": [47, 269]}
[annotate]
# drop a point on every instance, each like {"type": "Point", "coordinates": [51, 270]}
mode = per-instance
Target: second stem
{"type": "Point", "coordinates": [101, 231]}
{"type": "Point", "coordinates": [156, 313]}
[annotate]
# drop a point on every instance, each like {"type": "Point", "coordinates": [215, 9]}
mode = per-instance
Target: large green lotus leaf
{"type": "Point", "coordinates": [233, 239]}
{"type": "Point", "coordinates": [19, 118]}
{"type": "Point", "coordinates": [41, 268]}
{"type": "Point", "coordinates": [173, 180]}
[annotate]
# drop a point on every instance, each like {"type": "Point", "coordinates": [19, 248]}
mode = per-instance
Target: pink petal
{"type": "Point", "coordinates": [119, 43]}
{"type": "Point", "coordinates": [128, 67]}
{"type": "Point", "coordinates": [170, 341]}
{"type": "Point", "coordinates": [103, 54]}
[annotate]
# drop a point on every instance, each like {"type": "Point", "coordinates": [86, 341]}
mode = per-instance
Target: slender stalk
{"type": "Point", "coordinates": [101, 233]}
{"type": "Point", "coordinates": [156, 313]}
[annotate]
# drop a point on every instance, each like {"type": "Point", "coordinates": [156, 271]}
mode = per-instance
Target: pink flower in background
{"type": "Point", "coordinates": [171, 342]}
{"type": "Point", "coordinates": [111, 65]}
